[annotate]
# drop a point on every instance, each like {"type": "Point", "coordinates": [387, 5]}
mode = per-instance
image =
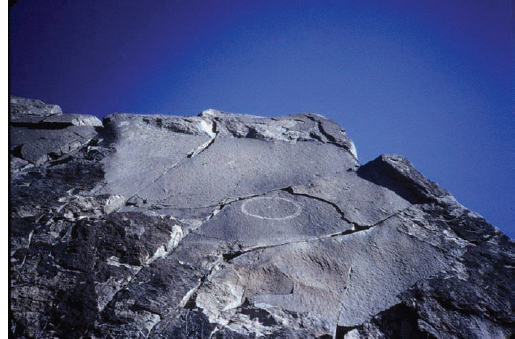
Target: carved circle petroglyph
{"type": "Point", "coordinates": [276, 201]}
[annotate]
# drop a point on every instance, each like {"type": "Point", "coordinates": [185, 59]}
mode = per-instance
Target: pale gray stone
{"type": "Point", "coordinates": [234, 226]}
{"type": "Point", "coordinates": [73, 119]}
{"type": "Point", "coordinates": [23, 107]}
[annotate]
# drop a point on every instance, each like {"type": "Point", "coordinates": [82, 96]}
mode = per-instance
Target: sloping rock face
{"type": "Point", "coordinates": [236, 226]}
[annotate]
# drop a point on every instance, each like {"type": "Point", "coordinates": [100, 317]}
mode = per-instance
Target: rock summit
{"type": "Point", "coordinates": [236, 226]}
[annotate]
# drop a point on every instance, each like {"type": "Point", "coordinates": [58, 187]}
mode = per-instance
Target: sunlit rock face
{"type": "Point", "coordinates": [236, 226]}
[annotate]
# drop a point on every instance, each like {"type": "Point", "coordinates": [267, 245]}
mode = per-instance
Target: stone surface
{"type": "Point", "coordinates": [40, 132]}
{"type": "Point", "coordinates": [30, 108]}
{"type": "Point", "coordinates": [235, 226]}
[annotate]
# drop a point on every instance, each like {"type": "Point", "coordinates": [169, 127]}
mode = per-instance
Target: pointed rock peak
{"type": "Point", "coordinates": [398, 174]}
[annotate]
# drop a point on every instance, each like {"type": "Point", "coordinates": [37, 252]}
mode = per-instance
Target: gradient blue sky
{"type": "Point", "coordinates": [427, 79]}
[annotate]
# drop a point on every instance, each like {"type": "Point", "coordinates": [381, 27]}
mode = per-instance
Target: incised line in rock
{"type": "Point", "coordinates": [298, 208]}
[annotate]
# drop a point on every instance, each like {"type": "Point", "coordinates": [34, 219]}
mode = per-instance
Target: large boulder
{"type": "Point", "coordinates": [236, 226]}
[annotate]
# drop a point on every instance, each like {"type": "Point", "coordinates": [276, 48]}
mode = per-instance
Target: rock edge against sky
{"type": "Point", "coordinates": [236, 226]}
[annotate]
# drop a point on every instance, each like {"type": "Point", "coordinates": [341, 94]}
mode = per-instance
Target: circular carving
{"type": "Point", "coordinates": [261, 207]}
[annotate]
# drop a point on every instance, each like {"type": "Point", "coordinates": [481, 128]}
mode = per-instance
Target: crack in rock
{"type": "Point", "coordinates": [213, 133]}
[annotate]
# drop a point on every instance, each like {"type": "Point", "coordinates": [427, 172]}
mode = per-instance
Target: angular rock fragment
{"type": "Point", "coordinates": [40, 132]}
{"type": "Point", "coordinates": [235, 226]}
{"type": "Point", "coordinates": [30, 108]}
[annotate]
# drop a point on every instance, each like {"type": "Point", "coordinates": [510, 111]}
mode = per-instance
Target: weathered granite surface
{"type": "Point", "coordinates": [236, 226]}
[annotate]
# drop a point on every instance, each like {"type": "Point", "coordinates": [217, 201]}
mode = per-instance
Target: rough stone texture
{"type": "Point", "coordinates": [40, 132]}
{"type": "Point", "coordinates": [236, 226]}
{"type": "Point", "coordinates": [30, 108]}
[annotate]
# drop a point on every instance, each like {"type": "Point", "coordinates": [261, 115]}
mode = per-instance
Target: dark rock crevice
{"type": "Point", "coordinates": [42, 125]}
{"type": "Point", "coordinates": [399, 321]}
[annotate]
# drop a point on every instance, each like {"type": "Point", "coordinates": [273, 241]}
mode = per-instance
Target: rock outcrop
{"type": "Point", "coordinates": [236, 226]}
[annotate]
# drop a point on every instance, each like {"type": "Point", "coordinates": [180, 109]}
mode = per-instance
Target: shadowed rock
{"type": "Point", "coordinates": [235, 226]}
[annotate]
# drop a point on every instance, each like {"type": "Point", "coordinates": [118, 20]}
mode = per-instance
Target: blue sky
{"type": "Point", "coordinates": [427, 79]}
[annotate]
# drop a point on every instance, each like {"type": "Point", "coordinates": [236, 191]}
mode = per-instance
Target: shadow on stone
{"type": "Point", "coordinates": [398, 321]}
{"type": "Point", "coordinates": [397, 174]}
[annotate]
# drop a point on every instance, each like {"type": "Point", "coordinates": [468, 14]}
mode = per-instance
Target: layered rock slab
{"type": "Point", "coordinates": [40, 132]}
{"type": "Point", "coordinates": [235, 226]}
